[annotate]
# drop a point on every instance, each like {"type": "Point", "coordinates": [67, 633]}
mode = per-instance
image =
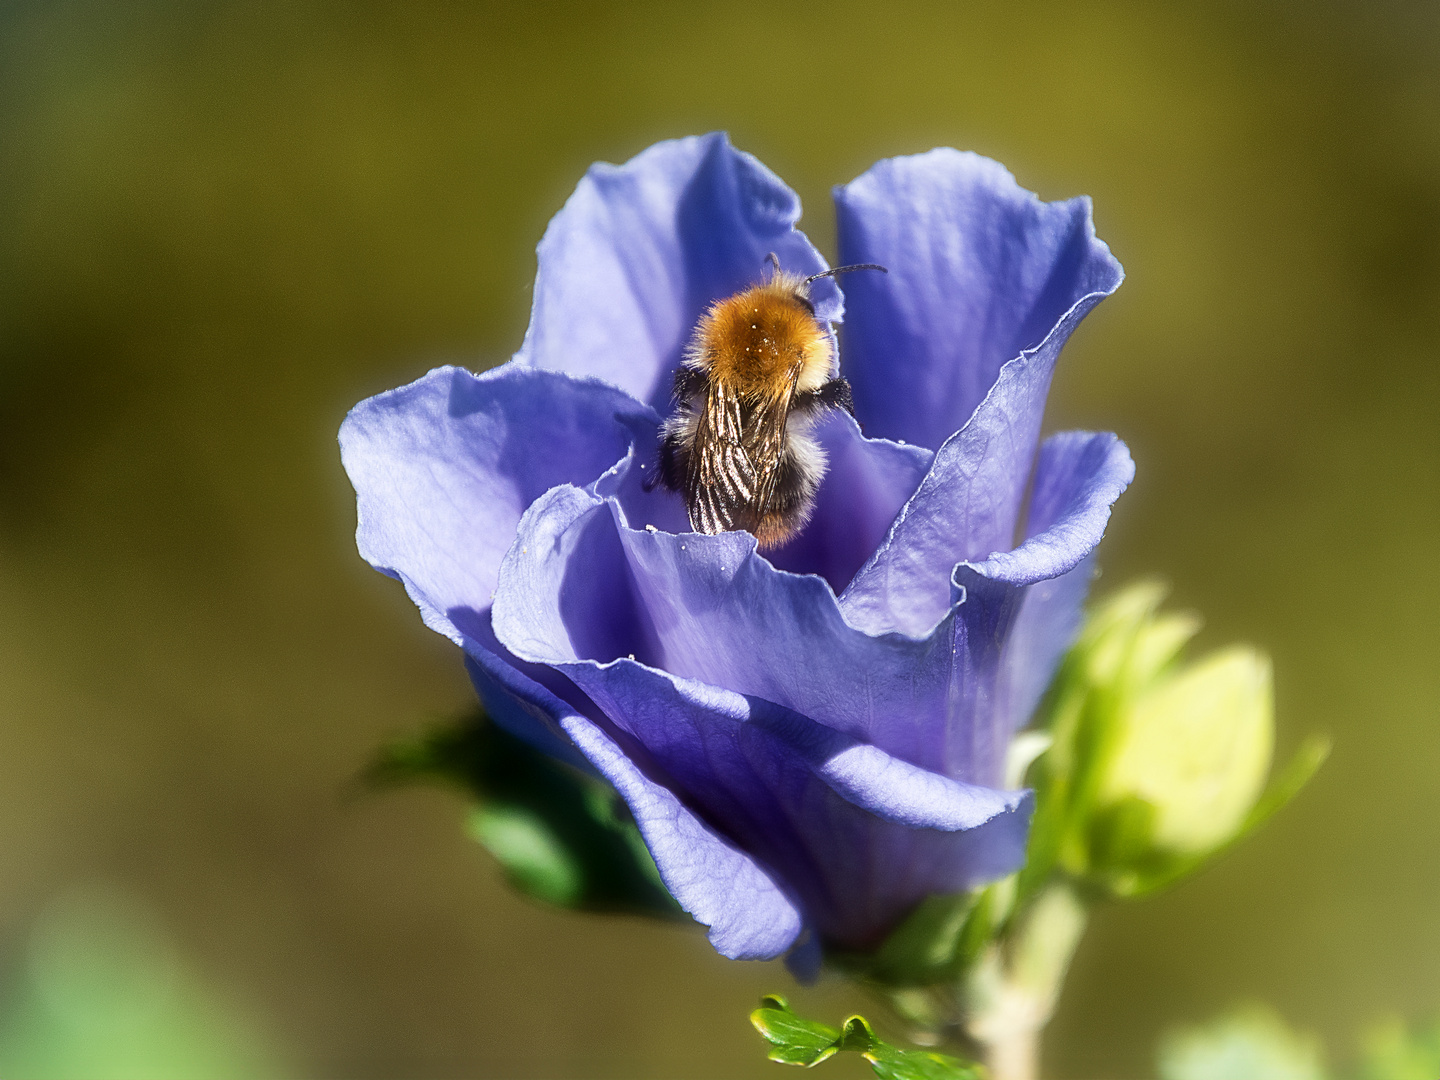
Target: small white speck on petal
{"type": "Point", "coordinates": [631, 656]}
{"type": "Point", "coordinates": [651, 528]}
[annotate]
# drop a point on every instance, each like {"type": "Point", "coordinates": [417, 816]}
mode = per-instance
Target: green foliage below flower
{"type": "Point", "coordinates": [560, 836]}
{"type": "Point", "coordinates": [1155, 765]}
{"type": "Point", "coordinates": [798, 1041]}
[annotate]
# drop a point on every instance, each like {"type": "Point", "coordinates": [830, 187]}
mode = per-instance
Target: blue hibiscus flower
{"type": "Point", "coordinates": [812, 739]}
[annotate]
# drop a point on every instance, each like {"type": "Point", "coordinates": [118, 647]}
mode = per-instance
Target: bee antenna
{"type": "Point", "coordinates": [846, 270]}
{"type": "Point", "coordinates": [774, 260]}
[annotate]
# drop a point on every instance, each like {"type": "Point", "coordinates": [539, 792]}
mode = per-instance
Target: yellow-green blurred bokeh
{"type": "Point", "coordinates": [221, 224]}
{"type": "Point", "coordinates": [102, 994]}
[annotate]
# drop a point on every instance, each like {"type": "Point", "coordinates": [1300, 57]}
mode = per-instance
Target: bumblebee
{"type": "Point", "coordinates": [757, 374]}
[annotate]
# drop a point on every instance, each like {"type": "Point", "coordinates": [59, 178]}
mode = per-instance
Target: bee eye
{"type": "Point", "coordinates": [804, 301]}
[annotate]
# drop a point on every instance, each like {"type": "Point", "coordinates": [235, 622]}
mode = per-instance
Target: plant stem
{"type": "Point", "coordinates": [1011, 994]}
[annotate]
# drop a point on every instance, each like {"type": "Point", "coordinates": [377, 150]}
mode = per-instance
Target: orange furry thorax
{"type": "Point", "coordinates": [764, 341]}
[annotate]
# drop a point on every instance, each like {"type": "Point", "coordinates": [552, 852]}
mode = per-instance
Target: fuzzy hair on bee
{"type": "Point", "coordinates": [758, 374]}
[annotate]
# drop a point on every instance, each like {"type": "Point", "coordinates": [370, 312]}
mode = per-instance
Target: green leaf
{"type": "Point", "coordinates": [535, 861]}
{"type": "Point", "coordinates": [891, 1063]}
{"type": "Point", "coordinates": [560, 835]}
{"type": "Point", "coordinates": [798, 1041]}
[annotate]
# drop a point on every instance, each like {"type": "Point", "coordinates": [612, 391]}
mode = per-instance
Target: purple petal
{"type": "Point", "coordinates": [580, 586]}
{"type": "Point", "coordinates": [1046, 626]}
{"type": "Point", "coordinates": [523, 705]}
{"type": "Point", "coordinates": [643, 503]}
{"type": "Point", "coordinates": [866, 485]}
{"type": "Point", "coordinates": [750, 918]}
{"type": "Point", "coordinates": [444, 468]}
{"type": "Point", "coordinates": [966, 508]}
{"type": "Point", "coordinates": [981, 272]}
{"type": "Point", "coordinates": [748, 915]}
{"type": "Point", "coordinates": [856, 835]}
{"type": "Point", "coordinates": [1079, 476]}
{"type": "Point", "coordinates": [815, 808]}
{"type": "Point", "coordinates": [641, 249]}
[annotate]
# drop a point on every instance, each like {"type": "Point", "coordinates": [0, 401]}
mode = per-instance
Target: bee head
{"type": "Point", "coordinates": [802, 287]}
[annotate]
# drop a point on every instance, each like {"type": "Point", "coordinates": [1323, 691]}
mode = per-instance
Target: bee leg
{"type": "Point", "coordinates": [664, 465]}
{"type": "Point", "coordinates": [673, 458]}
{"type": "Point", "coordinates": [834, 394]}
{"type": "Point", "coordinates": [688, 383]}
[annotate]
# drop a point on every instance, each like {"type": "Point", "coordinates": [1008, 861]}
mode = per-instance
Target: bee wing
{"type": "Point", "coordinates": [765, 444]}
{"type": "Point", "coordinates": [736, 459]}
{"type": "Point", "coordinates": [721, 481]}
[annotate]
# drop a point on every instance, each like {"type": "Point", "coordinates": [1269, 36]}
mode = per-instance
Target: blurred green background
{"type": "Point", "coordinates": [221, 224]}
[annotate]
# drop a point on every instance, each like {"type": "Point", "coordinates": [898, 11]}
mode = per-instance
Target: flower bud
{"type": "Point", "coordinates": [1195, 744]}
{"type": "Point", "coordinates": [1192, 742]}
{"type": "Point", "coordinates": [1156, 763]}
